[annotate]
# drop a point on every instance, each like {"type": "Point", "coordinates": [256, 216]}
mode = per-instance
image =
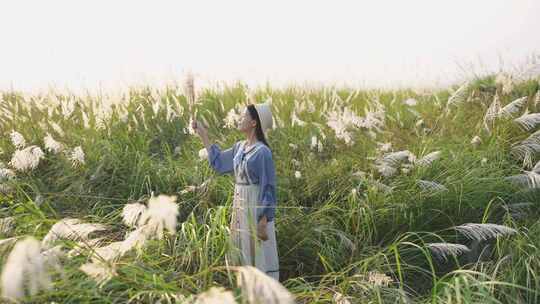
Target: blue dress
{"type": "Point", "coordinates": [253, 165]}
{"type": "Point", "coordinates": [254, 196]}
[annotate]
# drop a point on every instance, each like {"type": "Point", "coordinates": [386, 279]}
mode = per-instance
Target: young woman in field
{"type": "Point", "coordinates": [252, 225]}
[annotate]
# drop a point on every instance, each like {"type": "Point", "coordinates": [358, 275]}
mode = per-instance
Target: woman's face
{"type": "Point", "coordinates": [247, 123]}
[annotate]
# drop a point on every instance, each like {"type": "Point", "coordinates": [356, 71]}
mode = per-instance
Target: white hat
{"type": "Point", "coordinates": [265, 116]}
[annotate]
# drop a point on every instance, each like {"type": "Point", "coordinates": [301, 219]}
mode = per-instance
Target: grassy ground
{"type": "Point", "coordinates": [334, 228]}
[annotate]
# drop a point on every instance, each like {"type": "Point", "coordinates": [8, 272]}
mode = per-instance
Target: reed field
{"type": "Point", "coordinates": [384, 196]}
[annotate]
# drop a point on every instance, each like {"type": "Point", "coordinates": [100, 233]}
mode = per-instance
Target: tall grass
{"type": "Point", "coordinates": [338, 233]}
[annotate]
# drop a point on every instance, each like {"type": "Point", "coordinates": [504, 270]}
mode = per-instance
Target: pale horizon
{"type": "Point", "coordinates": [106, 44]}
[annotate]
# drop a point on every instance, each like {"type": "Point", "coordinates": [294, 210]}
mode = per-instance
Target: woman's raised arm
{"type": "Point", "coordinates": [221, 161]}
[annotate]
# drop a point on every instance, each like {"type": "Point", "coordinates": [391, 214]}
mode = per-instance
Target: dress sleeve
{"type": "Point", "coordinates": [221, 161]}
{"type": "Point", "coordinates": [267, 182]}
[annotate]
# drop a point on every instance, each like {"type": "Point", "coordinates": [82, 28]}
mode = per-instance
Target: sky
{"type": "Point", "coordinates": [88, 44]}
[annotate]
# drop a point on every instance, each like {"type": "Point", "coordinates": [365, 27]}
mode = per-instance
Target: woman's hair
{"type": "Point", "coordinates": [258, 129]}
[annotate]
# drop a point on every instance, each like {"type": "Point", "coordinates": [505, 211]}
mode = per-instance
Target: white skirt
{"type": "Point", "coordinates": [247, 248]}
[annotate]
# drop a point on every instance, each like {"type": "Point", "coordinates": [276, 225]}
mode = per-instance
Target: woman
{"type": "Point", "coordinates": [252, 225]}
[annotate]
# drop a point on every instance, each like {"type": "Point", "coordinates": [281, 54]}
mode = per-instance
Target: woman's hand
{"type": "Point", "coordinates": [199, 128]}
{"type": "Point", "coordinates": [261, 229]}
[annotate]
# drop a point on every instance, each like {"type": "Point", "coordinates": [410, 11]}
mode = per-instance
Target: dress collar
{"type": "Point", "coordinates": [258, 142]}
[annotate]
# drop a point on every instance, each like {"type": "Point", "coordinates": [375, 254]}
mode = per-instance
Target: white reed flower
{"type": "Point", "coordinates": [536, 168]}
{"type": "Point", "coordinates": [115, 250]}
{"type": "Point", "coordinates": [374, 119]}
{"type": "Point", "coordinates": [529, 179]}
{"type": "Point", "coordinates": [193, 188]}
{"type": "Point", "coordinates": [481, 232]}
{"type": "Point", "coordinates": [57, 128]}
{"type": "Point", "coordinates": [131, 213]}
{"type": "Point", "coordinates": [320, 146]}
{"type": "Point", "coordinates": [37, 152]}
{"type": "Point", "coordinates": [17, 139]}
{"type": "Point", "coordinates": [513, 107]}
{"type": "Point", "coordinates": [277, 122]}
{"type": "Point", "coordinates": [71, 229]}
{"type": "Point", "coordinates": [108, 253]}
{"type": "Point", "coordinates": [379, 279]}
{"type": "Point", "coordinates": [42, 125]}
{"type": "Point", "coordinates": [483, 161]}
{"type": "Point", "coordinates": [215, 295]}
{"type": "Point", "coordinates": [296, 121]}
{"type": "Point", "coordinates": [428, 159]}
{"type": "Point", "coordinates": [203, 154]}
{"type": "Point", "coordinates": [388, 164]}
{"type": "Point", "coordinates": [339, 298]}
{"type": "Point", "coordinates": [293, 146]}
{"type": "Point", "coordinates": [52, 145]}
{"type": "Point", "coordinates": [528, 121]}
{"type": "Point", "coordinates": [459, 95]}
{"type": "Point", "coordinates": [77, 156]}
{"type": "Point", "coordinates": [431, 186]}
{"type": "Point", "coordinates": [382, 187]}
{"type": "Point", "coordinates": [100, 272]}
{"type": "Point", "coordinates": [26, 159]}
{"type": "Point", "coordinates": [443, 250]}
{"type": "Point", "coordinates": [232, 119]}
{"type": "Point", "coordinates": [156, 105]}
{"type": "Point", "coordinates": [5, 189]}
{"type": "Point", "coordinates": [189, 89]}
{"type": "Point", "coordinates": [258, 287]}
{"type": "Point", "coordinates": [492, 112]}
{"type": "Point", "coordinates": [189, 129]}
{"type": "Point", "coordinates": [6, 174]}
{"type": "Point", "coordinates": [39, 199]}
{"type": "Point", "coordinates": [25, 270]}
{"type": "Point", "coordinates": [297, 174]}
{"type": "Point", "coordinates": [86, 120]}
{"type": "Point", "coordinates": [527, 148]}
{"type": "Point", "coordinates": [6, 225]}
{"type": "Point", "coordinates": [395, 158]}
{"type": "Point", "coordinates": [346, 137]}
{"type": "Point", "coordinates": [359, 174]}
{"type": "Point", "coordinates": [406, 170]}
{"type": "Point", "coordinates": [385, 169]}
{"type": "Point", "coordinates": [170, 113]}
{"type": "Point", "coordinates": [340, 121]}
{"type": "Point", "coordinates": [384, 147]}
{"type": "Point", "coordinates": [137, 238]}
{"type": "Point", "coordinates": [316, 144]}
{"type": "Point", "coordinates": [505, 80]}
{"type": "Point", "coordinates": [313, 142]}
{"type": "Point", "coordinates": [411, 102]}
{"type": "Point", "coordinates": [161, 213]}
{"type": "Point", "coordinates": [68, 106]}
{"type": "Point", "coordinates": [52, 257]}
{"type": "Point", "coordinates": [188, 189]}
{"type": "Point", "coordinates": [177, 150]}
{"type": "Point", "coordinates": [476, 141]}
